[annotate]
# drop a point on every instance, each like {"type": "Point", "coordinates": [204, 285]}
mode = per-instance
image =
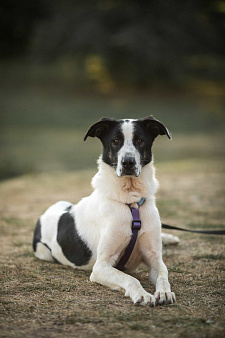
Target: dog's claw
{"type": "Point", "coordinates": [164, 297]}
{"type": "Point", "coordinates": [145, 300]}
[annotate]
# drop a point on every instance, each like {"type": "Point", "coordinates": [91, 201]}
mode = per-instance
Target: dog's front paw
{"type": "Point", "coordinates": [162, 297]}
{"type": "Point", "coordinates": [142, 298]}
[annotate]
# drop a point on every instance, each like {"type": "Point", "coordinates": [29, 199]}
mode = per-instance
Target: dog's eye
{"type": "Point", "coordinates": [116, 141]}
{"type": "Point", "coordinates": [139, 140]}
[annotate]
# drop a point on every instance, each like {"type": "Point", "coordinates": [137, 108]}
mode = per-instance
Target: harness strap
{"type": "Point", "coordinates": [136, 226]}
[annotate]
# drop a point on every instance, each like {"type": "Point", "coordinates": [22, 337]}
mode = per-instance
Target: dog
{"type": "Point", "coordinates": [93, 234]}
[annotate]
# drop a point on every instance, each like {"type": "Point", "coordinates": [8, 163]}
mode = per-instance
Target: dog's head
{"type": "Point", "coordinates": [127, 143]}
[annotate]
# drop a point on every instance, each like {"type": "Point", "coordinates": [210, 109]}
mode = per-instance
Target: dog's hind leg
{"type": "Point", "coordinates": [168, 239]}
{"type": "Point", "coordinates": [43, 252]}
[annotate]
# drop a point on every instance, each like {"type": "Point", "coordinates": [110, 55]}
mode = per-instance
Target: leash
{"type": "Point", "coordinates": [207, 232]}
{"type": "Point", "coordinates": [136, 226]}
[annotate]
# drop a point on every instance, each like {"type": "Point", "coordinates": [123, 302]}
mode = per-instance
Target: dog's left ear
{"type": "Point", "coordinates": [155, 127]}
{"type": "Point", "coordinates": [100, 128]}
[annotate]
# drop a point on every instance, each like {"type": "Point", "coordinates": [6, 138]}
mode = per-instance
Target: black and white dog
{"type": "Point", "coordinates": [93, 234]}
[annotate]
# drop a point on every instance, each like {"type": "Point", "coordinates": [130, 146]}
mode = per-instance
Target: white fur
{"type": "Point", "coordinates": [103, 222]}
{"type": "Point", "coordinates": [168, 239]}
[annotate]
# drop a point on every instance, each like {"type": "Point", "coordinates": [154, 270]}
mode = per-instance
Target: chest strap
{"type": "Point", "coordinates": [136, 226]}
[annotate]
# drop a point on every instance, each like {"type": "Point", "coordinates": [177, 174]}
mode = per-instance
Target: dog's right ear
{"type": "Point", "coordinates": [100, 128]}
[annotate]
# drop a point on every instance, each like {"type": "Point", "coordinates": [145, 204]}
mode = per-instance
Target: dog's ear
{"type": "Point", "coordinates": [155, 126]}
{"type": "Point", "coordinates": [100, 128]}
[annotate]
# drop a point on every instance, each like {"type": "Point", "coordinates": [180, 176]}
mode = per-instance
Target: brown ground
{"type": "Point", "coordinates": [41, 299]}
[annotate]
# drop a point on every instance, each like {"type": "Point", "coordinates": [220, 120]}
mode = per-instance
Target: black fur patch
{"type": "Point", "coordinates": [73, 248]}
{"type": "Point", "coordinates": [110, 148]}
{"type": "Point", "coordinates": [144, 148]}
{"type": "Point", "coordinates": [37, 235]}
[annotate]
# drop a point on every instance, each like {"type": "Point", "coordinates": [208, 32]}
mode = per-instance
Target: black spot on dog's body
{"type": "Point", "coordinates": [37, 235]}
{"type": "Point", "coordinates": [73, 247]}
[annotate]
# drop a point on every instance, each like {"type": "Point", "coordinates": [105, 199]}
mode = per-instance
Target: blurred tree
{"type": "Point", "coordinates": [136, 42]}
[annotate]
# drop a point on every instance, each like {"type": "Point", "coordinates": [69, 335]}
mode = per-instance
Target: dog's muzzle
{"type": "Point", "coordinates": [128, 166]}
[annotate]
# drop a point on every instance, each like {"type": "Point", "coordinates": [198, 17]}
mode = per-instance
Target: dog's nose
{"type": "Point", "coordinates": [128, 162]}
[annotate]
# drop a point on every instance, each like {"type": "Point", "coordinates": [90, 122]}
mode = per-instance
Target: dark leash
{"type": "Point", "coordinates": [136, 226]}
{"type": "Point", "coordinates": [206, 232]}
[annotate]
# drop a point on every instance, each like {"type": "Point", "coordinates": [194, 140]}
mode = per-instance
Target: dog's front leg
{"type": "Point", "coordinates": [159, 276]}
{"type": "Point", "coordinates": [152, 253]}
{"type": "Point", "coordinates": [104, 273]}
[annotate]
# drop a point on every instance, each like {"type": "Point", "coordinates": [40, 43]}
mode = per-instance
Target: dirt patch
{"type": "Point", "coordinates": [42, 299]}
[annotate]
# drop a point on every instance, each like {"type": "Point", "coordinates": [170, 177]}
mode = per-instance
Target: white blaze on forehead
{"type": "Point", "coordinates": [128, 148]}
{"type": "Point", "coordinates": [127, 130]}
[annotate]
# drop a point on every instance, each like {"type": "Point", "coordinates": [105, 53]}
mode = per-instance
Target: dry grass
{"type": "Point", "coordinates": [40, 299]}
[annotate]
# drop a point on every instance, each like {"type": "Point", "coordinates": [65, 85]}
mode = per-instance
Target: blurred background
{"type": "Point", "coordinates": [65, 64]}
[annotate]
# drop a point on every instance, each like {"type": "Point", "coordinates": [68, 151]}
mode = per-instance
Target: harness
{"type": "Point", "coordinates": [136, 226]}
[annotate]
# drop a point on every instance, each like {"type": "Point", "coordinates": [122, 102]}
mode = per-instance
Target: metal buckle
{"type": "Point", "coordinates": [136, 225]}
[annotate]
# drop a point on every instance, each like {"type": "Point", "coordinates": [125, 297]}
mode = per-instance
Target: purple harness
{"type": "Point", "coordinates": [136, 226]}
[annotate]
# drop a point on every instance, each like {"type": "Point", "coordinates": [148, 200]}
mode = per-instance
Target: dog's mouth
{"type": "Point", "coordinates": [126, 172]}
{"type": "Point", "coordinates": [129, 174]}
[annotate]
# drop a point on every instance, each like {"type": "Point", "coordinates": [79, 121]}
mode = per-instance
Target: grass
{"type": "Point", "coordinates": [43, 299]}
